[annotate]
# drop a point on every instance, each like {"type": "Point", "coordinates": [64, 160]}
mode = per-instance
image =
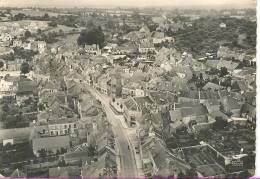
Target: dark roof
{"type": "Point", "coordinates": [64, 172]}
{"type": "Point", "coordinates": [212, 86]}
{"type": "Point", "coordinates": [162, 97]}
{"type": "Point", "coordinates": [26, 86]}
{"type": "Point", "coordinates": [18, 174]}
{"type": "Point", "coordinates": [194, 111]}
{"type": "Point", "coordinates": [51, 142]}
{"type": "Point", "coordinates": [249, 109]}
{"type": "Point", "coordinates": [231, 102]}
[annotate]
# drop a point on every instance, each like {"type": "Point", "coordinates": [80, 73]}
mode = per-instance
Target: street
{"type": "Point", "coordinates": [127, 161]}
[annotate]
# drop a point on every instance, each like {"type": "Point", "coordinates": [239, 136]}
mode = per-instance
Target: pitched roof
{"type": "Point", "coordinates": [231, 102]}
{"type": "Point", "coordinates": [247, 108]}
{"type": "Point", "coordinates": [107, 160]}
{"type": "Point", "coordinates": [51, 142]}
{"type": "Point", "coordinates": [194, 111]}
{"type": "Point", "coordinates": [64, 172]}
{"type": "Point", "coordinates": [230, 65]}
{"type": "Point", "coordinates": [175, 115]}
{"type": "Point", "coordinates": [156, 34]}
{"type": "Point", "coordinates": [212, 86]}
{"type": "Point", "coordinates": [16, 133]}
{"type": "Point", "coordinates": [146, 44]}
{"type": "Point", "coordinates": [26, 86]}
{"type": "Point", "coordinates": [212, 63]}
{"type": "Point", "coordinates": [162, 97]}
{"type": "Point", "coordinates": [18, 174]}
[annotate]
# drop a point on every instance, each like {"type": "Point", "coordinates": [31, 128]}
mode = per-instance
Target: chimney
{"type": "Point", "coordinates": [199, 94]}
{"type": "Point", "coordinates": [174, 106]}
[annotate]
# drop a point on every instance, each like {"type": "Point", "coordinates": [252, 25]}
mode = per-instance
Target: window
{"type": "Point", "coordinates": [75, 125]}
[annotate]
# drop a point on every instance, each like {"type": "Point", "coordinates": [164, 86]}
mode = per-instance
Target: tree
{"type": "Point", "coordinates": [61, 163]}
{"type": "Point", "coordinates": [1, 64]}
{"type": "Point", "coordinates": [220, 123]}
{"type": "Point", "coordinates": [181, 175]}
{"type": "Point", "coordinates": [52, 24]}
{"type": "Point", "coordinates": [46, 16]}
{"type": "Point", "coordinates": [223, 71]}
{"type": "Point", "coordinates": [42, 153]}
{"type": "Point", "coordinates": [110, 24]}
{"type": "Point", "coordinates": [61, 32]}
{"type": "Point", "coordinates": [39, 31]}
{"type": "Point", "coordinates": [93, 36]}
{"type": "Point", "coordinates": [191, 173]}
{"type": "Point", "coordinates": [19, 16]}
{"type": "Point", "coordinates": [91, 150]}
{"type": "Point", "coordinates": [90, 23]}
{"type": "Point", "coordinates": [27, 34]}
{"type": "Point", "coordinates": [25, 68]}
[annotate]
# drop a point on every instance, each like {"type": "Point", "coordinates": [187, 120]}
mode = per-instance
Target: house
{"type": "Point", "coordinates": [6, 50]}
{"type": "Point", "coordinates": [185, 116]}
{"type": "Point", "coordinates": [126, 48]}
{"type": "Point", "coordinates": [65, 172]}
{"type": "Point", "coordinates": [238, 121]}
{"type": "Point", "coordinates": [159, 37]}
{"type": "Point", "coordinates": [231, 106]}
{"type": "Point", "coordinates": [205, 166]}
{"type": "Point", "coordinates": [18, 43]}
{"type": "Point", "coordinates": [133, 89]}
{"type": "Point", "coordinates": [212, 86]}
{"type": "Point", "coordinates": [4, 37]}
{"type": "Point", "coordinates": [92, 49]}
{"type": "Point", "coordinates": [79, 154]}
{"type": "Point", "coordinates": [18, 174]}
{"type": "Point", "coordinates": [49, 86]}
{"type": "Point", "coordinates": [105, 166]}
{"type": "Point", "coordinates": [249, 112]}
{"type": "Point", "coordinates": [226, 52]}
{"type": "Point", "coordinates": [62, 127]}
{"type": "Point", "coordinates": [134, 108]}
{"type": "Point", "coordinates": [15, 136]}
{"type": "Point", "coordinates": [116, 85]}
{"type": "Point", "coordinates": [42, 46]}
{"type": "Point", "coordinates": [163, 99]}
{"type": "Point", "coordinates": [197, 96]}
{"type": "Point", "coordinates": [25, 89]}
{"type": "Point", "coordinates": [222, 25]}
{"type": "Point", "coordinates": [103, 84]}
{"type": "Point", "coordinates": [146, 47]}
{"type": "Point", "coordinates": [230, 65]}
{"type": "Point", "coordinates": [50, 144]}
{"type": "Point", "coordinates": [5, 86]}
{"type": "Point", "coordinates": [212, 105]}
{"type": "Point", "coordinates": [14, 65]}
{"type": "Point", "coordinates": [158, 161]}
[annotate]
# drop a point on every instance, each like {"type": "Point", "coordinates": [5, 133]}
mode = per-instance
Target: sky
{"type": "Point", "coordinates": [131, 3]}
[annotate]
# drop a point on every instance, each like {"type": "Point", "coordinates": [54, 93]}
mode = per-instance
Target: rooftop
{"type": "Point", "coordinates": [64, 172]}
{"type": "Point", "coordinates": [51, 142]}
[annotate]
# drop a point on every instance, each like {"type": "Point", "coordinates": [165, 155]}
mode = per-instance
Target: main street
{"type": "Point", "coordinates": [127, 161]}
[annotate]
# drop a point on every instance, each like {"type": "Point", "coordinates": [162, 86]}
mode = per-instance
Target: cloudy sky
{"type": "Point", "coordinates": [138, 3]}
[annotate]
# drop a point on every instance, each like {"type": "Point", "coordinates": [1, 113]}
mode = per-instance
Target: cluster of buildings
{"type": "Point", "coordinates": [193, 117]}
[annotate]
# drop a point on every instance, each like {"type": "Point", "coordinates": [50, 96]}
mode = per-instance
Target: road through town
{"type": "Point", "coordinates": [127, 161]}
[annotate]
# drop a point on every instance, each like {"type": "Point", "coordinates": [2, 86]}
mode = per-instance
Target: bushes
{"type": "Point", "coordinates": [206, 35]}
